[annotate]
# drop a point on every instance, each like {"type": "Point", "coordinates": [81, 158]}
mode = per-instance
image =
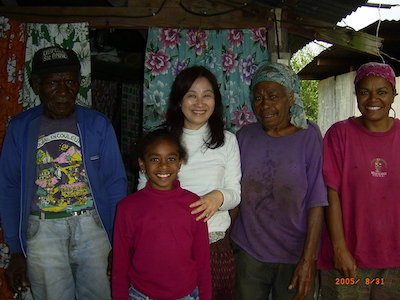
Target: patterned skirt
{"type": "Point", "coordinates": [222, 270]}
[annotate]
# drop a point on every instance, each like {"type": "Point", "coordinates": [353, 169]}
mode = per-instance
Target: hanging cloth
{"type": "Point", "coordinates": [73, 36]}
{"type": "Point", "coordinates": [233, 55]}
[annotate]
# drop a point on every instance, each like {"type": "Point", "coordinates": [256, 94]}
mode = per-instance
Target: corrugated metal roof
{"type": "Point", "coordinates": [323, 10]}
{"type": "Point", "coordinates": [325, 13]}
{"type": "Point", "coordinates": [337, 60]}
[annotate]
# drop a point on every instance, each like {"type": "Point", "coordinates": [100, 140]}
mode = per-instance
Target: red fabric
{"type": "Point", "coordinates": [12, 62]}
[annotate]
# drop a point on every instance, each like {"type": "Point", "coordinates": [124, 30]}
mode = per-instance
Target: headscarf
{"type": "Point", "coordinates": [376, 69]}
{"type": "Point", "coordinates": [285, 76]}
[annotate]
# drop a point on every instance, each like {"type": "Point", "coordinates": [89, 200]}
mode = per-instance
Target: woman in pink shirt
{"type": "Point", "coordinates": [359, 255]}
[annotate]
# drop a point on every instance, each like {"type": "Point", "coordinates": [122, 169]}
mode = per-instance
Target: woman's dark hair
{"type": "Point", "coordinates": [175, 117]}
{"type": "Point", "coordinates": [158, 135]}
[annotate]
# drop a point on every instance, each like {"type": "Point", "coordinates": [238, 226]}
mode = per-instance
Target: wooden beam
{"type": "Point", "coordinates": [334, 61]}
{"type": "Point", "coordinates": [341, 36]}
{"type": "Point", "coordinates": [312, 29]}
{"type": "Point", "coordinates": [133, 17]}
{"type": "Point", "coordinates": [355, 40]}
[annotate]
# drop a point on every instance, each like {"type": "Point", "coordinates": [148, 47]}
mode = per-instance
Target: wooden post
{"type": "Point", "coordinates": [277, 41]}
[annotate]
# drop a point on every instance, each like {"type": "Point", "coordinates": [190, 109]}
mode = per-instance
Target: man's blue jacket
{"type": "Point", "coordinates": [102, 161]}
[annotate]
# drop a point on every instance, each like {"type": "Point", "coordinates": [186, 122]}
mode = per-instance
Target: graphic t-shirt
{"type": "Point", "coordinates": [61, 184]}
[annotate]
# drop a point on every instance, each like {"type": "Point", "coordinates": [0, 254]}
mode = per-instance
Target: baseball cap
{"type": "Point", "coordinates": [54, 60]}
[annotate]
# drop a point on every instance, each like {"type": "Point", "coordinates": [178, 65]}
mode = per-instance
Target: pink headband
{"type": "Point", "coordinates": [376, 69]}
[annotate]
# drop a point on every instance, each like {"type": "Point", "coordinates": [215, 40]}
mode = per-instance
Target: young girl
{"type": "Point", "coordinates": [160, 251]}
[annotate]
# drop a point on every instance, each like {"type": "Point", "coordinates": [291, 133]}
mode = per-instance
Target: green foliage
{"type": "Point", "coordinates": [309, 95]}
{"type": "Point", "coordinates": [308, 88]}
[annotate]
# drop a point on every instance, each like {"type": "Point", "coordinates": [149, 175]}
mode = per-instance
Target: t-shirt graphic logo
{"type": "Point", "coordinates": [379, 167]}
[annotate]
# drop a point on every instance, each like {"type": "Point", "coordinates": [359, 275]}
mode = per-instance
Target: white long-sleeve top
{"type": "Point", "coordinates": [210, 169]}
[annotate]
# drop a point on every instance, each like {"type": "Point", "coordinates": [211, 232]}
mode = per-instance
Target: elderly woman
{"type": "Point", "coordinates": [280, 217]}
{"type": "Point", "coordinates": [360, 255]}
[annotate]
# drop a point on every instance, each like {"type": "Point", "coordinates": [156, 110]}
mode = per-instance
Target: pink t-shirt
{"type": "Point", "coordinates": [364, 168]}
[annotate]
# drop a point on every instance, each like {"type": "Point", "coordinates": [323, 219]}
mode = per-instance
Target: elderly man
{"type": "Point", "coordinates": [61, 177]}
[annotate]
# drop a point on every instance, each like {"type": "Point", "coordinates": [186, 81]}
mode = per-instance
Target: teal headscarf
{"type": "Point", "coordinates": [285, 76]}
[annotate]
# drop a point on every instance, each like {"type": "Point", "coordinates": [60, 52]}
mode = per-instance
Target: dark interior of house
{"type": "Point", "coordinates": [117, 61]}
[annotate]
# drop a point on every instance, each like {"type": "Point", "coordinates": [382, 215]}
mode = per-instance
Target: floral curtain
{"type": "Point", "coordinates": [12, 57]}
{"type": "Point", "coordinates": [232, 55]}
{"type": "Point", "coordinates": [73, 36]}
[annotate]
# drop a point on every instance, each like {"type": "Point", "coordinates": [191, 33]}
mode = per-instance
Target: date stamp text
{"type": "Point", "coordinates": [353, 281]}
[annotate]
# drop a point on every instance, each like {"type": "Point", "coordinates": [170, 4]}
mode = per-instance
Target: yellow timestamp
{"type": "Point", "coordinates": [353, 281]}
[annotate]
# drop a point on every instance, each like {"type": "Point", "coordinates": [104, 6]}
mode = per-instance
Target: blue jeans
{"type": "Point", "coordinates": [136, 295]}
{"type": "Point", "coordinates": [67, 258]}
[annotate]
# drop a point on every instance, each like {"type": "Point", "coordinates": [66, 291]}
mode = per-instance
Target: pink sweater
{"type": "Point", "coordinates": [159, 247]}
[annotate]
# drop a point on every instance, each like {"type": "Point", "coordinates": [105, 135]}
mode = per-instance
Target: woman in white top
{"type": "Point", "coordinates": [213, 168]}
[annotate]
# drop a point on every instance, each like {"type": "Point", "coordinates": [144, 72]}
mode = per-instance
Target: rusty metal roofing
{"type": "Point", "coordinates": [337, 60]}
{"type": "Point", "coordinates": [323, 10]}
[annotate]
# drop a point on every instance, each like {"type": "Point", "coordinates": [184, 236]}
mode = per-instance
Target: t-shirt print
{"type": "Point", "coordinates": [62, 184]}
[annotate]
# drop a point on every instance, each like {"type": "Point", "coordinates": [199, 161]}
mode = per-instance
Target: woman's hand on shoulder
{"type": "Point", "coordinates": [207, 205]}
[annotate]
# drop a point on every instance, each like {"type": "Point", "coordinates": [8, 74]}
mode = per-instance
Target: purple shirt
{"type": "Point", "coordinates": [281, 180]}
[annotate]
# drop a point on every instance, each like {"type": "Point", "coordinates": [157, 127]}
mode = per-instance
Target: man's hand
{"type": "Point", "coordinates": [16, 273]}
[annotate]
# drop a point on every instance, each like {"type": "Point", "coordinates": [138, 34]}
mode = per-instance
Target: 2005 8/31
{"type": "Point", "coordinates": [352, 281]}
